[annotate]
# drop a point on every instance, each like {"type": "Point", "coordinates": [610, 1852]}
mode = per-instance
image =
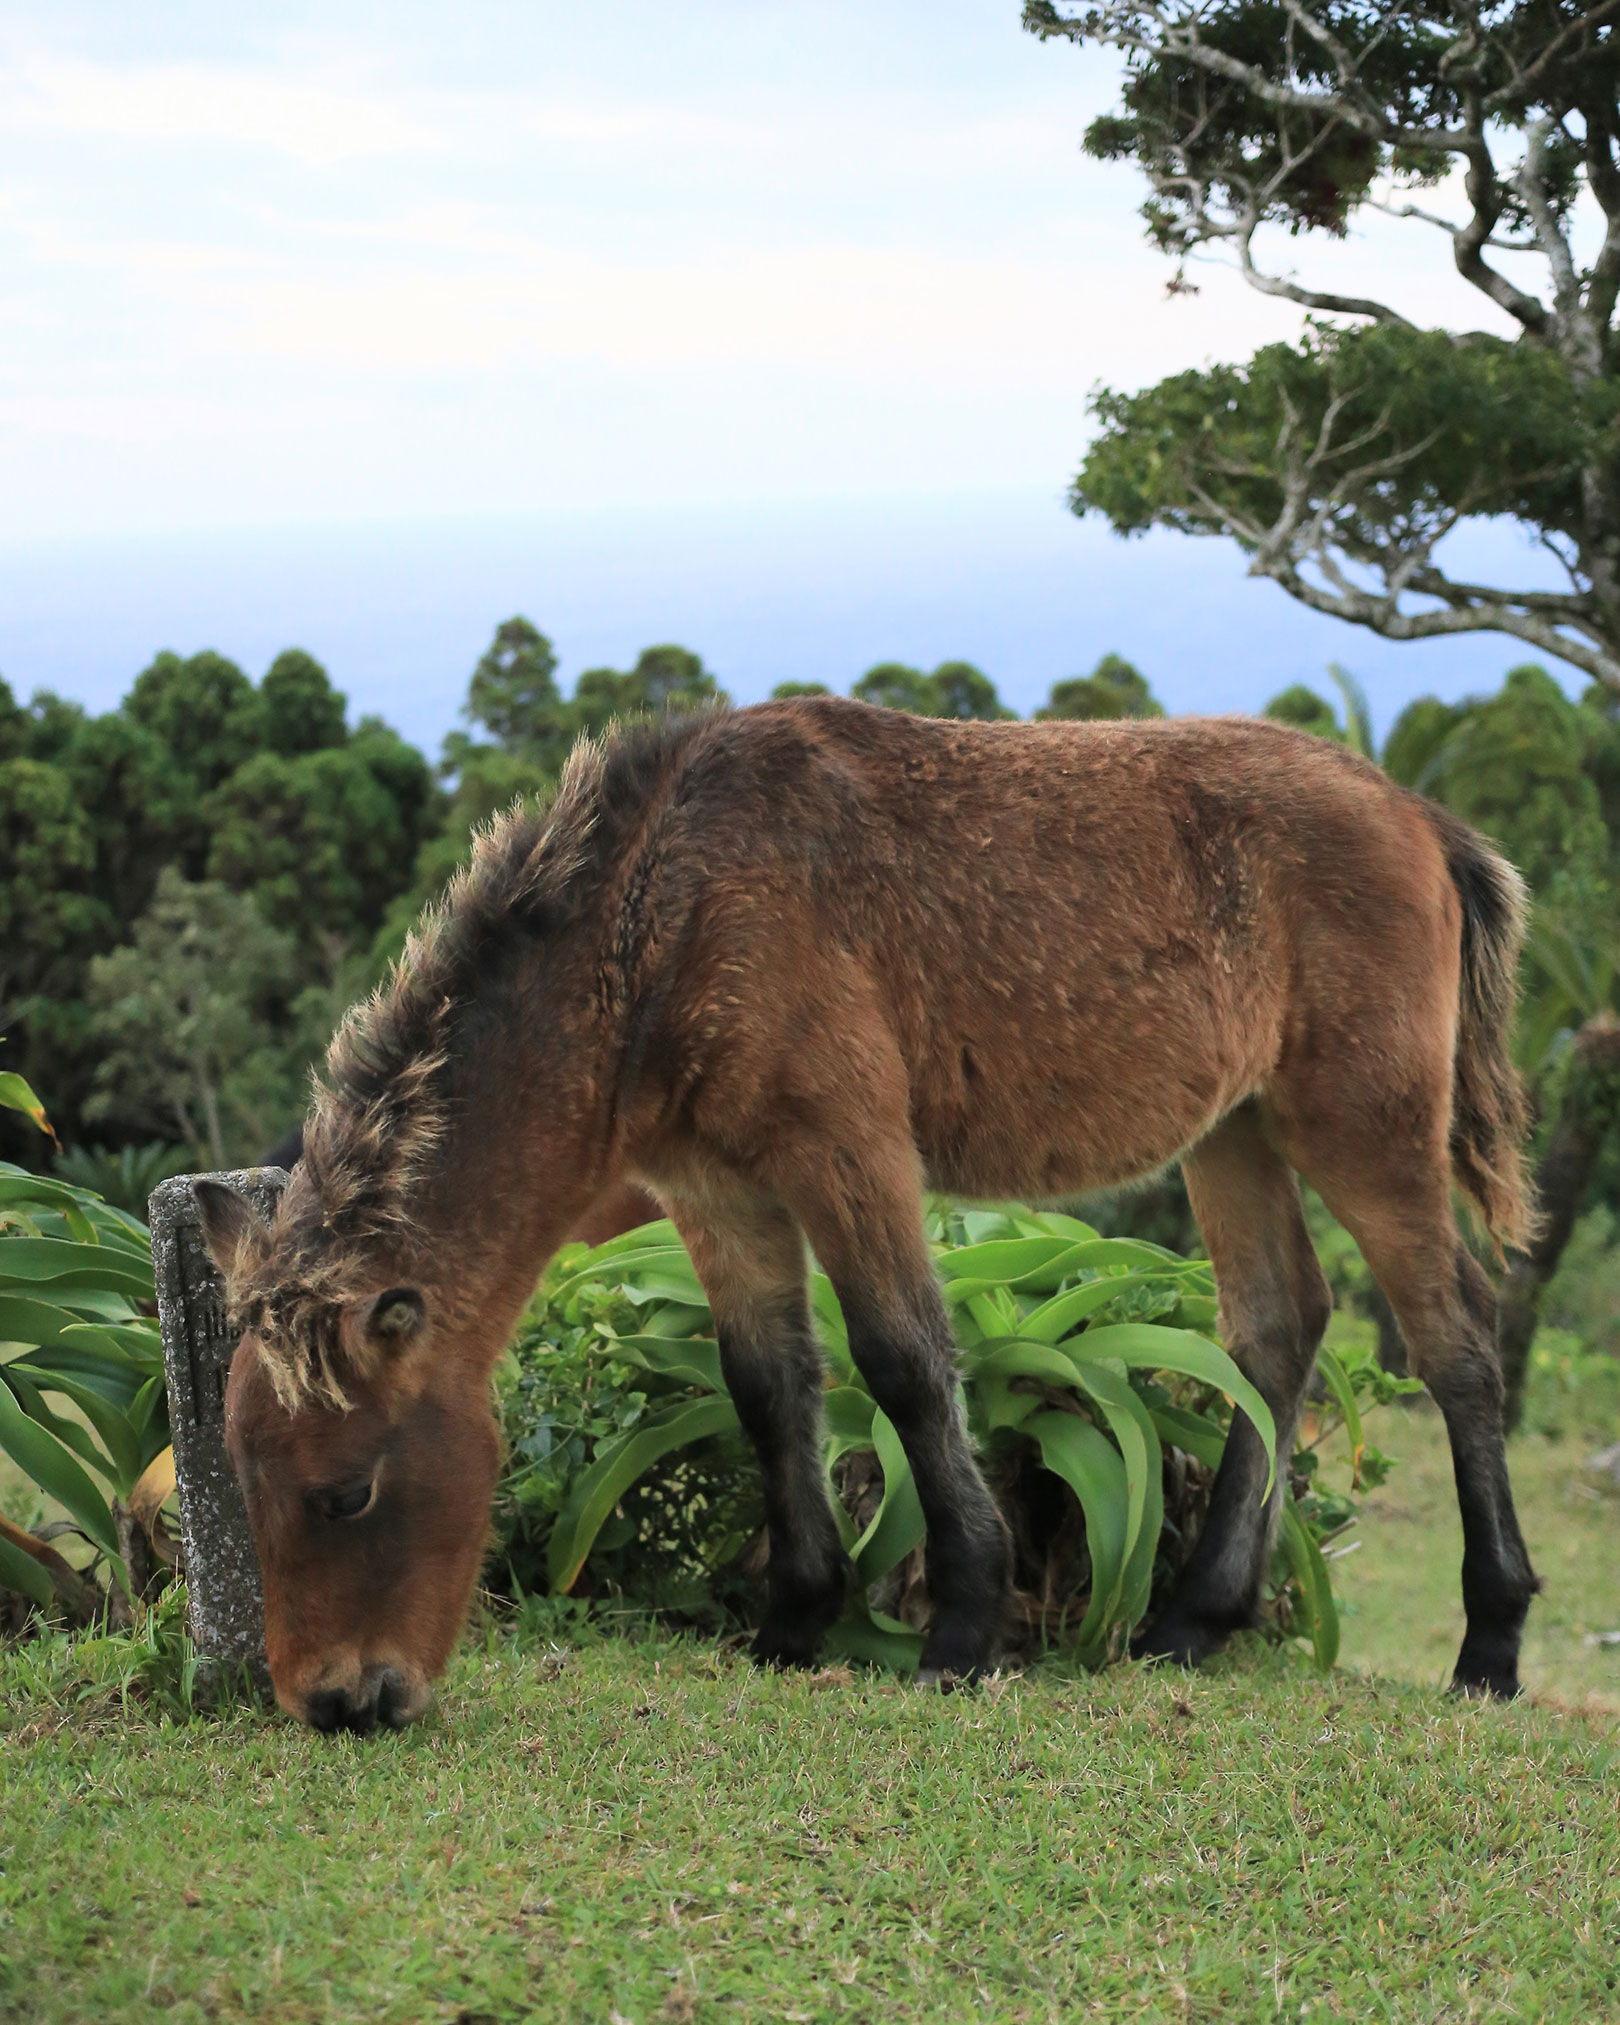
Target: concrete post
{"type": "Point", "coordinates": [221, 1566]}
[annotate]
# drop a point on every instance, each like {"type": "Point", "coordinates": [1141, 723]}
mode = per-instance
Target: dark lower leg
{"type": "Point", "coordinates": [777, 1393]}
{"type": "Point", "coordinates": [1218, 1591]}
{"type": "Point", "coordinates": [909, 1363]}
{"type": "Point", "coordinates": [1274, 1308]}
{"type": "Point", "coordinates": [1497, 1579]}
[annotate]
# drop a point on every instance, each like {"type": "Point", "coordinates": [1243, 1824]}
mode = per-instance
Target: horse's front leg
{"type": "Point", "coordinates": [864, 1218]}
{"type": "Point", "coordinates": [750, 1257]}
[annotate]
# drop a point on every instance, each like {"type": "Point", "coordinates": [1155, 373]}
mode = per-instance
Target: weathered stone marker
{"type": "Point", "coordinates": [221, 1566]}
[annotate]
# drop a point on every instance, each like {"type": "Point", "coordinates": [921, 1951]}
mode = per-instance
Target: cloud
{"type": "Point", "coordinates": [185, 104]}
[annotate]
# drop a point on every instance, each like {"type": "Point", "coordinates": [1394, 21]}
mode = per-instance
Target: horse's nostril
{"type": "Point", "coordinates": [332, 1709]}
{"type": "Point", "coordinates": [393, 1700]}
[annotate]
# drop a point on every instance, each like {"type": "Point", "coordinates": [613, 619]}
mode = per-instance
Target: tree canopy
{"type": "Point", "coordinates": [1340, 462]}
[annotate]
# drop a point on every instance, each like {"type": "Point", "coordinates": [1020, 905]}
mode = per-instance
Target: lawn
{"type": "Point", "coordinates": [654, 1832]}
{"type": "Point", "coordinates": [651, 1831]}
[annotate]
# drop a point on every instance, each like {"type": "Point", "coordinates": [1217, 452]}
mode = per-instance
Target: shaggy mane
{"type": "Point", "coordinates": [379, 1111]}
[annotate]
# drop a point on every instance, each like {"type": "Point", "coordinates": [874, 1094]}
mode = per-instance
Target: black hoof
{"type": "Point", "coordinates": [791, 1633]}
{"type": "Point", "coordinates": [1502, 1687]}
{"type": "Point", "coordinates": [955, 1656]}
{"type": "Point", "coordinates": [1173, 1641]}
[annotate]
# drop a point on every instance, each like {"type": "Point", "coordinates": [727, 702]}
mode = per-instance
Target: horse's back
{"type": "Point", "coordinates": [1087, 941]}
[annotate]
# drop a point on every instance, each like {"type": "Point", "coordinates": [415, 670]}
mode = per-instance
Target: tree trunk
{"type": "Point", "coordinates": [1591, 1104]}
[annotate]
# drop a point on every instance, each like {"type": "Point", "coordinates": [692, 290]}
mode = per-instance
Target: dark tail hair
{"type": "Point", "coordinates": [1489, 1115]}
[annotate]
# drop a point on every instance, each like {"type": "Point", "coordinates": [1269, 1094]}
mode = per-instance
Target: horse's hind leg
{"type": "Point", "coordinates": [1400, 1215]}
{"type": "Point", "coordinates": [1274, 1307]}
{"type": "Point", "coordinates": [750, 1257]}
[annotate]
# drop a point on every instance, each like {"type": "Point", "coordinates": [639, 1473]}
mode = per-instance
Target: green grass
{"type": "Point", "coordinates": [653, 1832]}
{"type": "Point", "coordinates": [656, 1832]}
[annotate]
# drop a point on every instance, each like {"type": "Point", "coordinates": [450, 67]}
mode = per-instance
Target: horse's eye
{"type": "Point", "coordinates": [396, 1313]}
{"type": "Point", "coordinates": [343, 1501]}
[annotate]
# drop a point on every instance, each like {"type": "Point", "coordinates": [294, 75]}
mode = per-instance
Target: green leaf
{"type": "Point", "coordinates": [139, 1341]}
{"type": "Point", "coordinates": [1009, 1357]}
{"type": "Point", "coordinates": [1057, 1224]}
{"type": "Point", "coordinates": [675, 1319]}
{"type": "Point", "coordinates": [28, 1190]}
{"type": "Point", "coordinates": [625, 1268]}
{"type": "Point", "coordinates": [1200, 1438]}
{"type": "Point", "coordinates": [15, 1095]}
{"type": "Point", "coordinates": [665, 1283]}
{"type": "Point", "coordinates": [22, 1573]}
{"type": "Point", "coordinates": [72, 1434]}
{"type": "Point", "coordinates": [105, 1369]}
{"type": "Point", "coordinates": [110, 1419]}
{"type": "Point", "coordinates": [830, 1318]}
{"type": "Point", "coordinates": [42, 1458]}
{"type": "Point", "coordinates": [616, 1468]}
{"type": "Point", "coordinates": [866, 1634]}
{"type": "Point", "coordinates": [1308, 1568]}
{"type": "Point", "coordinates": [1139, 1451]}
{"type": "Point", "coordinates": [1148, 1346]}
{"type": "Point", "coordinates": [54, 1261]}
{"type": "Point", "coordinates": [24, 1320]}
{"type": "Point", "coordinates": [1344, 1392]}
{"type": "Point", "coordinates": [897, 1524]}
{"type": "Point", "coordinates": [694, 1359]}
{"type": "Point", "coordinates": [848, 1413]}
{"type": "Point", "coordinates": [1126, 1409]}
{"type": "Point", "coordinates": [1055, 1318]}
{"type": "Point", "coordinates": [997, 1405]}
{"type": "Point", "coordinates": [1009, 1260]}
{"type": "Point", "coordinates": [1089, 1463]}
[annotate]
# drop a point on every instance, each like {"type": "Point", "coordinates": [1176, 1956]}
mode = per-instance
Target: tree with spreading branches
{"type": "Point", "coordinates": [1341, 461]}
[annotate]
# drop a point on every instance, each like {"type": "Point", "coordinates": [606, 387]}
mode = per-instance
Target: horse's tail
{"type": "Point", "coordinates": [1489, 1115]}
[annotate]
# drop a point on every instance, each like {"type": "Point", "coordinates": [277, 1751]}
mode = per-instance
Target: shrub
{"type": "Point", "coordinates": [75, 1330]}
{"type": "Point", "coordinates": [1097, 1397]}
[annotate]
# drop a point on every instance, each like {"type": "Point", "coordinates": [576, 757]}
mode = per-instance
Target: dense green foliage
{"type": "Point", "coordinates": [81, 1367]}
{"type": "Point", "coordinates": [1095, 1393]}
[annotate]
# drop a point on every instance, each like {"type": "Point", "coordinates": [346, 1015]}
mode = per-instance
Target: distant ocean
{"type": "Point", "coordinates": [814, 591]}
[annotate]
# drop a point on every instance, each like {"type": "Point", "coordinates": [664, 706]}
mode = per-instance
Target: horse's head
{"type": "Point", "coordinates": [358, 1420]}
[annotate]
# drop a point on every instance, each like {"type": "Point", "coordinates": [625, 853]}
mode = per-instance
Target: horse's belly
{"type": "Point", "coordinates": [1007, 1126]}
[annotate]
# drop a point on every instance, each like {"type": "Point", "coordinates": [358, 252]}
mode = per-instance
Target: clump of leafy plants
{"type": "Point", "coordinates": [82, 1403]}
{"type": "Point", "coordinates": [1094, 1386]}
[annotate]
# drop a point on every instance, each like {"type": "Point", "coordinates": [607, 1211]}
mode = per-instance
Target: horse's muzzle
{"type": "Point", "coordinates": [383, 1696]}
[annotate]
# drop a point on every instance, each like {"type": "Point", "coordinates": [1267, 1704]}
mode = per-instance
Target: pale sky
{"type": "Point", "coordinates": [346, 261]}
{"type": "Point", "coordinates": [301, 266]}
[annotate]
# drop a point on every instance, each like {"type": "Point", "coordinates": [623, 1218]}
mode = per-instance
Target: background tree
{"type": "Point", "coordinates": [1114, 688]}
{"type": "Point", "coordinates": [182, 1015]}
{"type": "Point", "coordinates": [1341, 462]}
{"type": "Point", "coordinates": [664, 678]}
{"type": "Point", "coordinates": [954, 689]}
{"type": "Point", "coordinates": [514, 696]}
{"type": "Point", "coordinates": [301, 710]}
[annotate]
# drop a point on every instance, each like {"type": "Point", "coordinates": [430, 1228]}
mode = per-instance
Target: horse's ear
{"type": "Point", "coordinates": [226, 1219]}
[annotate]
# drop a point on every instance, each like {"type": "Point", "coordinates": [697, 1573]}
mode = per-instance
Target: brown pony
{"type": "Point", "coordinates": [790, 965]}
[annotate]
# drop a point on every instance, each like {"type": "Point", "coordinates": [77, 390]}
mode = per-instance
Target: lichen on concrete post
{"type": "Point", "coordinates": [220, 1563]}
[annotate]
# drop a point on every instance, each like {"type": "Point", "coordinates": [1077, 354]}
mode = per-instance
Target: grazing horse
{"type": "Point", "coordinates": [787, 967]}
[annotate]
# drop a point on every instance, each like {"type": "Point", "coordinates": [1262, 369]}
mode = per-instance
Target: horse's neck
{"type": "Point", "coordinates": [529, 1140]}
